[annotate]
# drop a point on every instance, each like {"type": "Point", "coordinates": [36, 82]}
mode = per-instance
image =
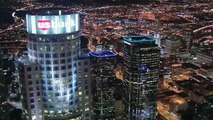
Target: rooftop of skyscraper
{"type": "Point", "coordinates": [50, 11]}
{"type": "Point", "coordinates": [104, 53]}
{"type": "Point", "coordinates": [133, 39]}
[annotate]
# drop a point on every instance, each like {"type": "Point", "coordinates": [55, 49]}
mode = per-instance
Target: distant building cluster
{"type": "Point", "coordinates": [60, 81]}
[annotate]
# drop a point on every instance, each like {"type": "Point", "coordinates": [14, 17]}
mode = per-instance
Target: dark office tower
{"type": "Point", "coordinates": [141, 76]}
{"type": "Point", "coordinates": [84, 85]}
{"type": "Point", "coordinates": [51, 71]}
{"type": "Point", "coordinates": [31, 89]}
{"type": "Point", "coordinates": [102, 83]}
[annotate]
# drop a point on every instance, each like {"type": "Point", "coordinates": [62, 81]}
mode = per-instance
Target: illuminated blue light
{"type": "Point", "coordinates": [138, 39]}
{"type": "Point", "coordinates": [127, 43]}
{"type": "Point", "coordinates": [143, 68]}
{"type": "Point", "coordinates": [105, 53]}
{"type": "Point", "coordinates": [74, 80]}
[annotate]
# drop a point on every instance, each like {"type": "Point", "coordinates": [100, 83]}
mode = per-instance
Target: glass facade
{"type": "Point", "coordinates": [31, 90]}
{"type": "Point", "coordinates": [56, 58]}
{"type": "Point", "coordinates": [103, 85]}
{"type": "Point", "coordinates": [58, 65]}
{"type": "Point", "coordinates": [141, 76]}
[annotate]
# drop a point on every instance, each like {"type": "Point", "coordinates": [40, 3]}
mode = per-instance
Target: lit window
{"type": "Point", "coordinates": [87, 109]}
{"type": "Point", "coordinates": [51, 112]}
{"type": "Point", "coordinates": [62, 48]}
{"type": "Point", "coordinates": [37, 76]}
{"type": "Point", "coordinates": [33, 117]}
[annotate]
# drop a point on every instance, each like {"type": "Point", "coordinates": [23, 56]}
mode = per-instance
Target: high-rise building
{"type": "Point", "coordinates": [84, 81]}
{"type": "Point", "coordinates": [172, 46]}
{"type": "Point", "coordinates": [141, 76]}
{"type": "Point", "coordinates": [102, 83]}
{"type": "Point", "coordinates": [29, 77]}
{"type": "Point", "coordinates": [49, 75]}
{"type": "Point", "coordinates": [84, 85]}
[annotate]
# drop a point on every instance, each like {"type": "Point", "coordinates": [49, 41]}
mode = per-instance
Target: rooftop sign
{"type": "Point", "coordinates": [52, 24]}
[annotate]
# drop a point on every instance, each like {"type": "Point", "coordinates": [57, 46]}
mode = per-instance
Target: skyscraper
{"type": "Point", "coordinates": [50, 73]}
{"type": "Point", "coordinates": [102, 83]}
{"type": "Point", "coordinates": [141, 76]}
{"type": "Point", "coordinates": [84, 81]}
{"type": "Point", "coordinates": [172, 46]}
{"type": "Point", "coordinates": [31, 89]}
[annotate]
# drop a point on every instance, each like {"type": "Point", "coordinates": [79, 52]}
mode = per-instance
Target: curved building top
{"type": "Point", "coordinates": [49, 22]}
{"type": "Point", "coordinates": [51, 11]}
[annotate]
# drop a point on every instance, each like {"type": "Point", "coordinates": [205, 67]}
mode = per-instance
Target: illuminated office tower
{"type": "Point", "coordinates": [141, 76]}
{"type": "Point", "coordinates": [53, 45]}
{"type": "Point", "coordinates": [102, 83]}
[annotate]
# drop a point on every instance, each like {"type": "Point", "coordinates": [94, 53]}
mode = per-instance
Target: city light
{"type": "Point", "coordinates": [106, 60]}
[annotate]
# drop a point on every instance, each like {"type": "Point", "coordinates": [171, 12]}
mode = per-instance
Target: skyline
{"type": "Point", "coordinates": [146, 61]}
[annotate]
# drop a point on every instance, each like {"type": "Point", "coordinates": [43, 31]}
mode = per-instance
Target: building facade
{"type": "Point", "coordinates": [29, 77]}
{"type": "Point", "coordinates": [172, 46]}
{"type": "Point", "coordinates": [53, 45]}
{"type": "Point", "coordinates": [141, 76]}
{"type": "Point", "coordinates": [84, 82]}
{"type": "Point", "coordinates": [102, 83]}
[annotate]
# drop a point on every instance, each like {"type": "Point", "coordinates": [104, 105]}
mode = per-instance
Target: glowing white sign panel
{"type": "Point", "coordinates": [52, 24]}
